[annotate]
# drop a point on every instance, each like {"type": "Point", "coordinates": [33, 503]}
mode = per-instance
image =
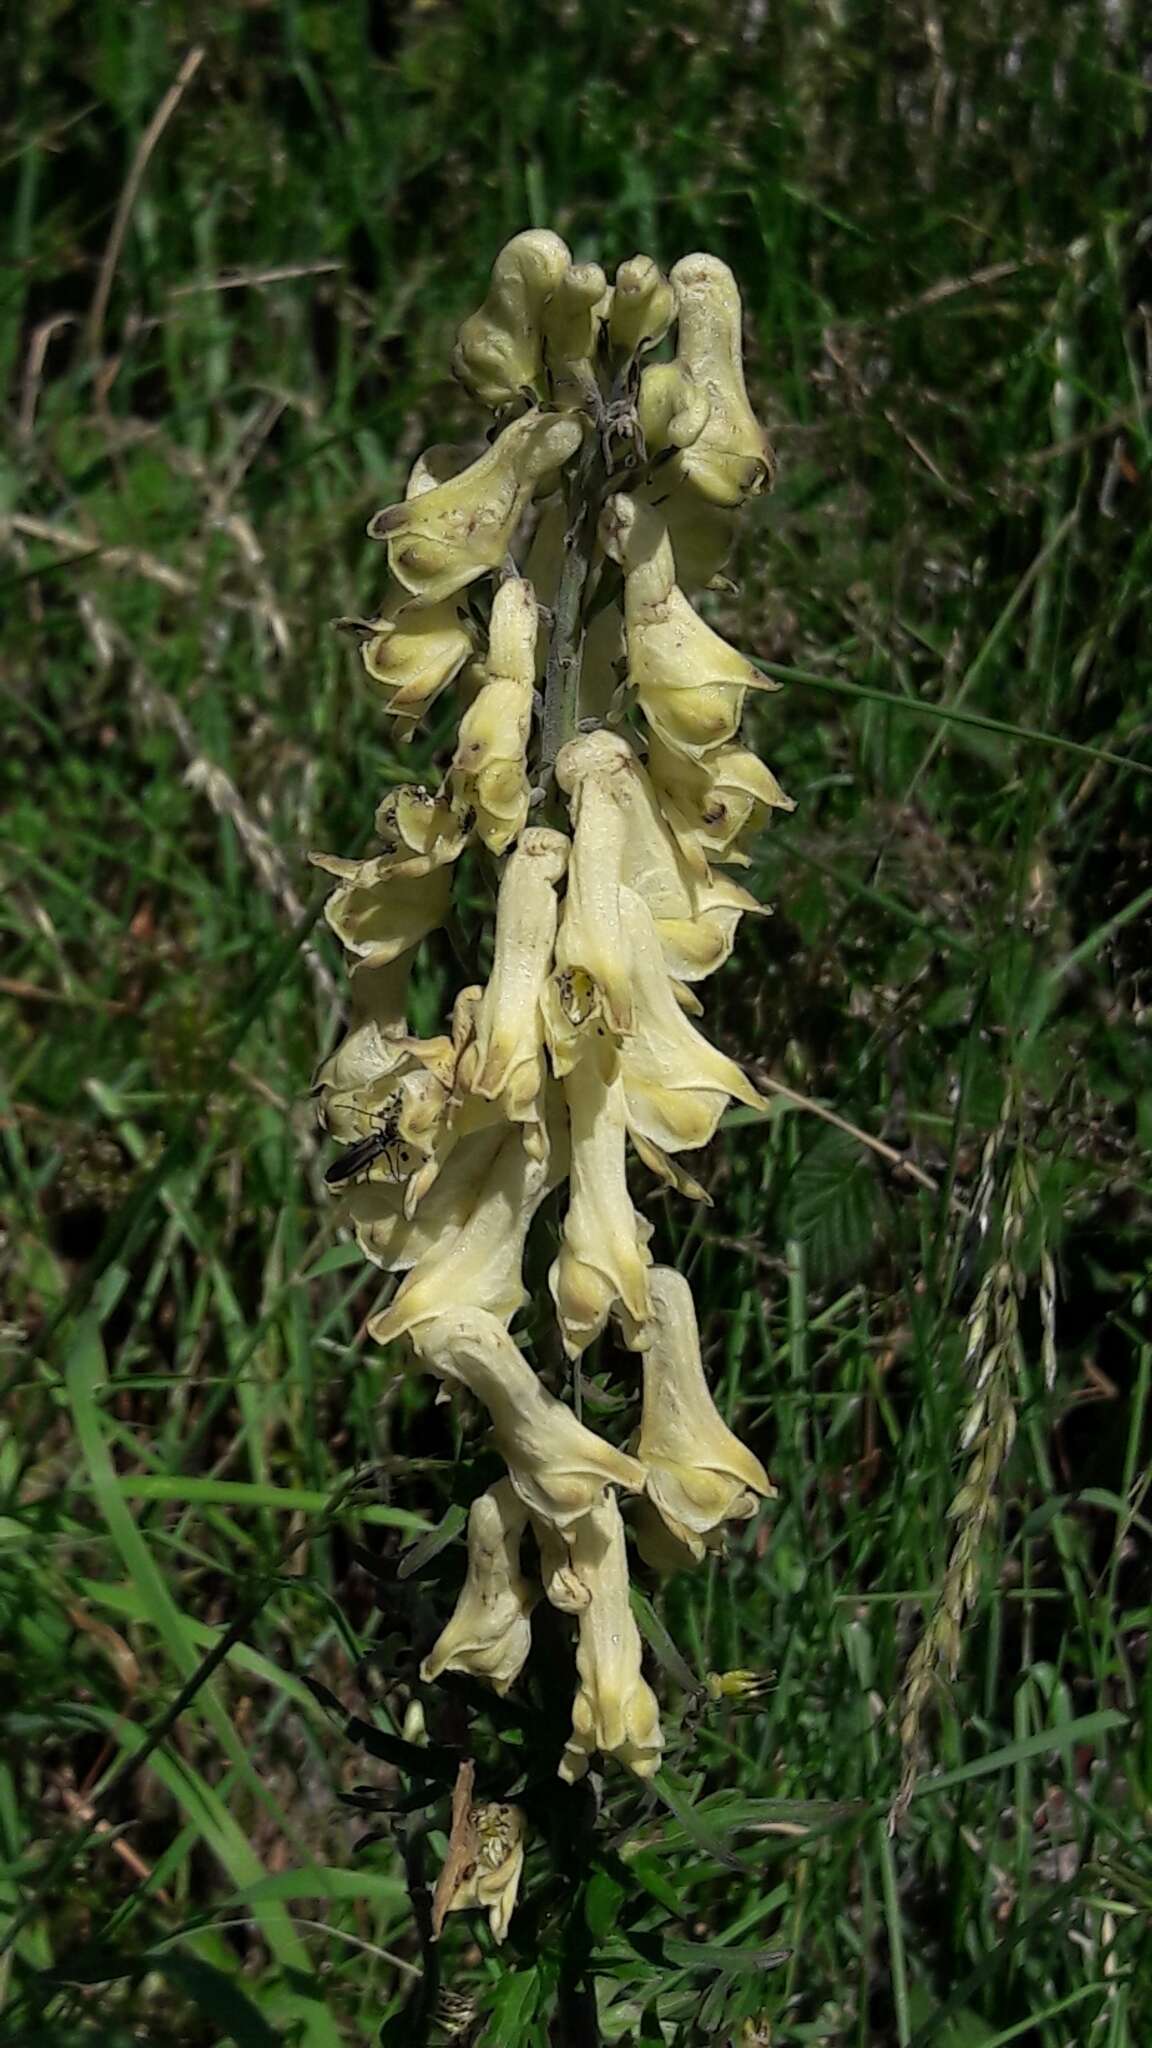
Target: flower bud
{"type": "Point", "coordinates": [643, 307]}
{"type": "Point", "coordinates": [489, 1635]}
{"type": "Point", "coordinates": [444, 539]}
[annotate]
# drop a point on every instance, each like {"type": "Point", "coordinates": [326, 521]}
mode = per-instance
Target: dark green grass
{"type": "Point", "coordinates": [938, 234]}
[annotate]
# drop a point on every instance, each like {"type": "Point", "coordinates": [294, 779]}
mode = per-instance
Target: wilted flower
{"type": "Point", "coordinates": [445, 539]}
{"type": "Point", "coordinates": [489, 1635]}
{"type": "Point", "coordinates": [489, 772]}
{"type": "Point", "coordinates": [699, 1475]}
{"type": "Point", "coordinates": [730, 457]}
{"type": "Point", "coordinates": [486, 1859]}
{"type": "Point", "coordinates": [615, 1709]}
{"type": "Point", "coordinates": [559, 1468]}
{"type": "Point", "coordinates": [690, 683]}
{"type": "Point", "coordinates": [499, 350]}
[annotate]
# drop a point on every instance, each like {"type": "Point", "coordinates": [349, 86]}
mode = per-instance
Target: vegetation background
{"type": "Point", "coordinates": [237, 240]}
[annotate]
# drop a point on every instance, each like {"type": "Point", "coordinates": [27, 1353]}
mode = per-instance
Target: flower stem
{"type": "Point", "coordinates": [566, 647]}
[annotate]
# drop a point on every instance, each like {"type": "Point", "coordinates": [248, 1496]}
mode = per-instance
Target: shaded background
{"type": "Point", "coordinates": [225, 326]}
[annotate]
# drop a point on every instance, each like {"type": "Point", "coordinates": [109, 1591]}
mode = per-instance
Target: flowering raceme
{"type": "Point", "coordinates": [598, 780]}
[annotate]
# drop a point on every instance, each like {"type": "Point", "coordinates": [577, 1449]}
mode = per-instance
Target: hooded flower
{"type": "Point", "coordinates": [489, 775]}
{"type": "Point", "coordinates": [559, 1468]}
{"type": "Point", "coordinates": [696, 945]}
{"type": "Point", "coordinates": [476, 1260]}
{"type": "Point", "coordinates": [615, 1709]}
{"type": "Point", "coordinates": [699, 1475]}
{"type": "Point", "coordinates": [591, 770]}
{"type": "Point", "coordinates": [499, 350]}
{"type": "Point", "coordinates": [447, 537]}
{"type": "Point", "coordinates": [690, 683]}
{"type": "Point", "coordinates": [413, 652]}
{"type": "Point", "coordinates": [504, 1061]}
{"type": "Point", "coordinates": [386, 904]}
{"type": "Point", "coordinates": [642, 309]}
{"type": "Point", "coordinates": [712, 802]}
{"type": "Point", "coordinates": [489, 1635]}
{"type": "Point", "coordinates": [572, 320]}
{"type": "Point", "coordinates": [603, 1258]}
{"type": "Point", "coordinates": [676, 1085]}
{"type": "Point", "coordinates": [672, 408]}
{"type": "Point", "coordinates": [731, 456]}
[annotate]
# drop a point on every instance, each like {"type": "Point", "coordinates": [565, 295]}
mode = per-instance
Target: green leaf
{"type": "Point", "coordinates": [831, 1205]}
{"type": "Point", "coordinates": [602, 1896]}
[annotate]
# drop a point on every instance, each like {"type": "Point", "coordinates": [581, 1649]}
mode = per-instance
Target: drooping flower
{"type": "Point", "coordinates": [590, 943]}
{"type": "Point", "coordinates": [676, 1085]}
{"type": "Point", "coordinates": [489, 775]}
{"type": "Point", "coordinates": [446, 538]}
{"type": "Point", "coordinates": [615, 1710]}
{"type": "Point", "coordinates": [690, 683]}
{"type": "Point", "coordinates": [504, 1060]}
{"type": "Point", "coordinates": [489, 1635]}
{"type": "Point", "coordinates": [476, 1260]}
{"type": "Point", "coordinates": [559, 1468]}
{"type": "Point", "coordinates": [412, 651]}
{"type": "Point", "coordinates": [699, 1474]}
{"type": "Point", "coordinates": [499, 349]}
{"type": "Point", "coordinates": [711, 803]}
{"type": "Point", "coordinates": [730, 457]}
{"type": "Point", "coordinates": [603, 1257]}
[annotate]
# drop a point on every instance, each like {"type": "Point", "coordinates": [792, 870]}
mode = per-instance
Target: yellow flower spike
{"type": "Point", "coordinates": [591, 771]}
{"type": "Point", "coordinates": [643, 307]}
{"type": "Point", "coordinates": [676, 1085]}
{"type": "Point", "coordinates": [478, 1259]}
{"type": "Point", "coordinates": [672, 409]}
{"type": "Point", "coordinates": [615, 1710]}
{"type": "Point", "coordinates": [505, 1060]}
{"type": "Point", "coordinates": [711, 803]}
{"type": "Point", "coordinates": [603, 1258]}
{"type": "Point", "coordinates": [443, 540]}
{"type": "Point", "coordinates": [559, 1468]}
{"type": "Point", "coordinates": [490, 1876]}
{"type": "Point", "coordinates": [489, 1635]}
{"type": "Point", "coordinates": [498, 353]}
{"type": "Point", "coordinates": [731, 457]}
{"type": "Point", "coordinates": [489, 773]}
{"type": "Point", "coordinates": [699, 1474]}
{"type": "Point", "coordinates": [690, 683]}
{"type": "Point", "coordinates": [413, 652]}
{"type": "Point", "coordinates": [571, 321]}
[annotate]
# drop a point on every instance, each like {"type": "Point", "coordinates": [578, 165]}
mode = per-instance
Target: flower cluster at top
{"type": "Point", "coordinates": [598, 769]}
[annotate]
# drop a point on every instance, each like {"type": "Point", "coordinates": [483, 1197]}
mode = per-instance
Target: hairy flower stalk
{"type": "Point", "coordinates": [598, 768]}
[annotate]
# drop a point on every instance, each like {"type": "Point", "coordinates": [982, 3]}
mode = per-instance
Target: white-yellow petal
{"type": "Point", "coordinates": [413, 651]}
{"type": "Point", "coordinates": [615, 1710]}
{"type": "Point", "coordinates": [643, 307]}
{"type": "Point", "coordinates": [603, 1259]}
{"type": "Point", "coordinates": [489, 1635]}
{"type": "Point", "coordinates": [505, 1061]}
{"type": "Point", "coordinates": [559, 1468]}
{"type": "Point", "coordinates": [489, 774]}
{"type": "Point", "coordinates": [443, 540]}
{"type": "Point", "coordinates": [498, 352]}
{"type": "Point", "coordinates": [731, 456]}
{"type": "Point", "coordinates": [379, 915]}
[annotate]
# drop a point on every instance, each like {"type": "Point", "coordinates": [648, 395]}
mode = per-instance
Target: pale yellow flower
{"type": "Point", "coordinates": [690, 683]}
{"type": "Point", "coordinates": [676, 1085]}
{"type": "Point", "coordinates": [504, 1062]}
{"type": "Point", "coordinates": [412, 651]}
{"type": "Point", "coordinates": [442, 540]}
{"type": "Point", "coordinates": [489, 1635]}
{"type": "Point", "coordinates": [672, 409]}
{"type": "Point", "coordinates": [498, 353]}
{"type": "Point", "coordinates": [559, 1468]}
{"type": "Point", "coordinates": [395, 1231]}
{"type": "Point", "coordinates": [561, 1585]}
{"type": "Point", "coordinates": [701, 534]}
{"type": "Point", "coordinates": [594, 772]}
{"type": "Point", "coordinates": [489, 774]}
{"type": "Point", "coordinates": [731, 456]}
{"type": "Point", "coordinates": [603, 1257]}
{"type": "Point", "coordinates": [699, 1474]}
{"type": "Point", "coordinates": [386, 904]}
{"type": "Point", "coordinates": [571, 320]}
{"type": "Point", "coordinates": [696, 945]}
{"type": "Point", "coordinates": [492, 1879]}
{"type": "Point", "coordinates": [712, 802]}
{"type": "Point", "coordinates": [615, 1710]}
{"type": "Point", "coordinates": [643, 307]}
{"type": "Point", "coordinates": [476, 1260]}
